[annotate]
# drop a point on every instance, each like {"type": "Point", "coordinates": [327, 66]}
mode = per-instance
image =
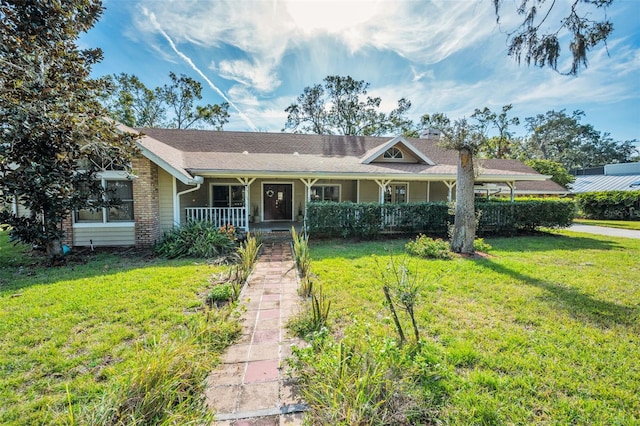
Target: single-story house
{"type": "Point", "coordinates": [246, 178]}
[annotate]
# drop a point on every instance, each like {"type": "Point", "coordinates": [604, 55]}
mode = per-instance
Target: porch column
{"type": "Point", "coordinates": [382, 183]}
{"type": "Point", "coordinates": [308, 183]}
{"type": "Point", "coordinates": [450, 184]}
{"type": "Point", "coordinates": [247, 206]}
{"type": "Point", "coordinates": [428, 191]}
{"type": "Point", "coordinates": [512, 188]}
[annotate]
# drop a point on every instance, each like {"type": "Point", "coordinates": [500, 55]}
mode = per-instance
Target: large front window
{"type": "Point", "coordinates": [227, 195]}
{"type": "Point", "coordinates": [120, 191]}
{"type": "Point", "coordinates": [325, 193]}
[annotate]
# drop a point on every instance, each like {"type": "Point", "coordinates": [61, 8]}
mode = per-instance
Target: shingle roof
{"type": "Point", "coordinates": [205, 152]}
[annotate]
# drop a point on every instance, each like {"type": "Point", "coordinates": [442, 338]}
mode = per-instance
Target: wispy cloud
{"type": "Point", "coordinates": [188, 60]}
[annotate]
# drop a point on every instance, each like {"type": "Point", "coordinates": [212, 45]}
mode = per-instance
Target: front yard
{"type": "Point", "coordinates": [545, 330]}
{"type": "Point", "coordinates": [77, 340]}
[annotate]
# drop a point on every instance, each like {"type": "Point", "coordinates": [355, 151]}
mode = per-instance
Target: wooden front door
{"type": "Point", "coordinates": [278, 203]}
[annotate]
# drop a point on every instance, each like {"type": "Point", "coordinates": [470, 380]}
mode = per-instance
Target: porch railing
{"type": "Point", "coordinates": [219, 216]}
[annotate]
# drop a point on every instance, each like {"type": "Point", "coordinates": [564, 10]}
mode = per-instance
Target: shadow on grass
{"type": "Point", "coordinates": [579, 305]}
{"type": "Point", "coordinates": [543, 241]}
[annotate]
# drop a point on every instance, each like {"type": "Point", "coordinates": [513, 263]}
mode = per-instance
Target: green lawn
{"type": "Point", "coordinates": [69, 334]}
{"type": "Point", "coordinates": [544, 331]}
{"type": "Point", "coordinates": [624, 224]}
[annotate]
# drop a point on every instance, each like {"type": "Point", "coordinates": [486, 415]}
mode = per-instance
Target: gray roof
{"type": "Point", "coordinates": [221, 153]}
{"type": "Point", "coordinates": [590, 183]}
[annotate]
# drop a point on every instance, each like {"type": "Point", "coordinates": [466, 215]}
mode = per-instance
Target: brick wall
{"type": "Point", "coordinates": [146, 206]}
{"type": "Point", "coordinates": [67, 227]}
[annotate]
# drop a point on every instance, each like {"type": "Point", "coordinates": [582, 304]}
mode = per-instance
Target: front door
{"type": "Point", "coordinates": [278, 203]}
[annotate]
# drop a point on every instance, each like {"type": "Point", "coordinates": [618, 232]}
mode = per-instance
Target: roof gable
{"type": "Point", "coordinates": [410, 153]}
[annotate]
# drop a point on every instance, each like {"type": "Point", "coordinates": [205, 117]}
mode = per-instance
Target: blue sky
{"type": "Point", "coordinates": [444, 55]}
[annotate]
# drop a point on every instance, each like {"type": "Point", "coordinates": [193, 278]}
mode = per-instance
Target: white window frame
{"type": "Point", "coordinates": [323, 185]}
{"type": "Point", "coordinates": [228, 185]}
{"type": "Point", "coordinates": [103, 178]}
{"type": "Point", "coordinates": [391, 187]}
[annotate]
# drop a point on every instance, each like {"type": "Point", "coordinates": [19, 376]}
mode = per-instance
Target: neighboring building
{"type": "Point", "coordinates": [243, 178]}
{"type": "Point", "coordinates": [612, 177]}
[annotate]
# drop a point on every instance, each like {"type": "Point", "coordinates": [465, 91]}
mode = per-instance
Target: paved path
{"type": "Point", "coordinates": [250, 387]}
{"type": "Point", "coordinates": [602, 230]}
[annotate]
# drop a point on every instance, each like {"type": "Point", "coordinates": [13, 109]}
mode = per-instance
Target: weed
{"type": "Point", "coordinates": [424, 246]}
{"type": "Point", "coordinates": [301, 253]}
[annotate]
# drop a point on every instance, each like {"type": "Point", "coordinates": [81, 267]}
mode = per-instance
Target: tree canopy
{"type": "Point", "coordinates": [341, 106]}
{"type": "Point", "coordinates": [560, 137]}
{"type": "Point", "coordinates": [54, 135]}
{"type": "Point", "coordinates": [545, 25]}
{"type": "Point", "coordinates": [558, 173]}
{"type": "Point", "coordinates": [172, 105]}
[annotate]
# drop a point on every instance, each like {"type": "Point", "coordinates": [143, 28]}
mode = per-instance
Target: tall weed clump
{"type": "Point", "coordinates": [198, 239]}
{"type": "Point", "coordinates": [301, 253]}
{"type": "Point", "coordinates": [368, 381]}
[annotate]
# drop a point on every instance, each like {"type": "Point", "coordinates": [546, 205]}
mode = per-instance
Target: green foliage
{"type": "Point", "coordinates": [220, 293]}
{"type": "Point", "coordinates": [340, 106]}
{"type": "Point", "coordinates": [314, 316]}
{"type": "Point", "coordinates": [532, 41]}
{"type": "Point", "coordinates": [301, 253]}
{"type": "Point", "coordinates": [429, 248]}
{"type": "Point", "coordinates": [196, 239]}
{"type": "Point", "coordinates": [481, 245]}
{"type": "Point", "coordinates": [369, 220]}
{"type": "Point", "coordinates": [504, 334]}
{"type": "Point", "coordinates": [558, 173]}
{"type": "Point", "coordinates": [165, 386]}
{"type": "Point", "coordinates": [620, 205]}
{"type": "Point", "coordinates": [364, 381]}
{"type": "Point", "coordinates": [70, 336]}
{"type": "Point", "coordinates": [54, 136]}
{"type": "Point", "coordinates": [132, 103]}
{"type": "Point", "coordinates": [247, 255]}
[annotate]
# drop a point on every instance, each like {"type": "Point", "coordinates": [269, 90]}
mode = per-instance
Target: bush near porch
{"type": "Point", "coordinates": [368, 220]}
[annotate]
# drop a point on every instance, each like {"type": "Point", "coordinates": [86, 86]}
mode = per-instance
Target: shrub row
{"type": "Point", "coordinates": [622, 205]}
{"type": "Point", "coordinates": [368, 220]}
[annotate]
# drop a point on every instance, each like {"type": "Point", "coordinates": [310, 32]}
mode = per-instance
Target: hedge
{"type": "Point", "coordinates": [622, 205]}
{"type": "Point", "coordinates": [369, 220]}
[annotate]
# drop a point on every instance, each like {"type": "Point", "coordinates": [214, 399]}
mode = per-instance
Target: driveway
{"type": "Point", "coordinates": [601, 230]}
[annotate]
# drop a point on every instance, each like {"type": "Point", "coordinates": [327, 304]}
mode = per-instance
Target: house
{"type": "Point", "coordinates": [244, 178]}
{"type": "Point", "coordinates": [612, 177]}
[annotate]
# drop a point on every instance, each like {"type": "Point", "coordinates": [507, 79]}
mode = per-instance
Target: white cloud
{"type": "Point", "coordinates": [256, 75]}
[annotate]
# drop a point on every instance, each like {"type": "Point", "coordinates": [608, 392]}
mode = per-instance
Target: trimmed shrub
{"type": "Point", "coordinates": [621, 205]}
{"type": "Point", "coordinates": [369, 220]}
{"type": "Point", "coordinates": [424, 246]}
{"type": "Point", "coordinates": [196, 239]}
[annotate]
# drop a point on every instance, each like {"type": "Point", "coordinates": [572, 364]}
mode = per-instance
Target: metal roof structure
{"type": "Point", "coordinates": [590, 183]}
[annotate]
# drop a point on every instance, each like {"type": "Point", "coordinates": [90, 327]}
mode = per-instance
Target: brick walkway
{"type": "Point", "coordinates": [250, 387]}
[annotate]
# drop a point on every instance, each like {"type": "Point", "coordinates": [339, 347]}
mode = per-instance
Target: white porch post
{"type": "Point", "coordinates": [247, 206]}
{"type": "Point", "coordinates": [428, 191]}
{"type": "Point", "coordinates": [382, 183]}
{"type": "Point", "coordinates": [512, 188]}
{"type": "Point", "coordinates": [308, 183]}
{"type": "Point", "coordinates": [450, 184]}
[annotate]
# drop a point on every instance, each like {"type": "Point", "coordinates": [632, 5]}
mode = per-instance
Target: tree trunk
{"type": "Point", "coordinates": [54, 249]}
{"type": "Point", "coordinates": [464, 228]}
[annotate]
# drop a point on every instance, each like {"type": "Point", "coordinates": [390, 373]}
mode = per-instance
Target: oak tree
{"type": "Point", "coordinates": [546, 24]}
{"type": "Point", "coordinates": [341, 106]}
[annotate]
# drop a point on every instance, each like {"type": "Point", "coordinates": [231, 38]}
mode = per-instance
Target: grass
{"type": "Point", "coordinates": [71, 335]}
{"type": "Point", "coordinates": [544, 331]}
{"type": "Point", "coordinates": [623, 224]}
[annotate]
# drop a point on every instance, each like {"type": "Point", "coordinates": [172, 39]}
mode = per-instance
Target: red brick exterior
{"type": "Point", "coordinates": [146, 205]}
{"type": "Point", "coordinates": [67, 227]}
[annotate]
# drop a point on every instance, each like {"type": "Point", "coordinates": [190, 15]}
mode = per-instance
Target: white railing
{"type": "Point", "coordinates": [219, 216]}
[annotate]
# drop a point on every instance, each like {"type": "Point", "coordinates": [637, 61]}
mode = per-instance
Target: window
{"type": "Point", "coordinates": [120, 190]}
{"type": "Point", "coordinates": [325, 193]}
{"type": "Point", "coordinates": [227, 196]}
{"type": "Point", "coordinates": [393, 153]}
{"type": "Point", "coordinates": [396, 193]}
